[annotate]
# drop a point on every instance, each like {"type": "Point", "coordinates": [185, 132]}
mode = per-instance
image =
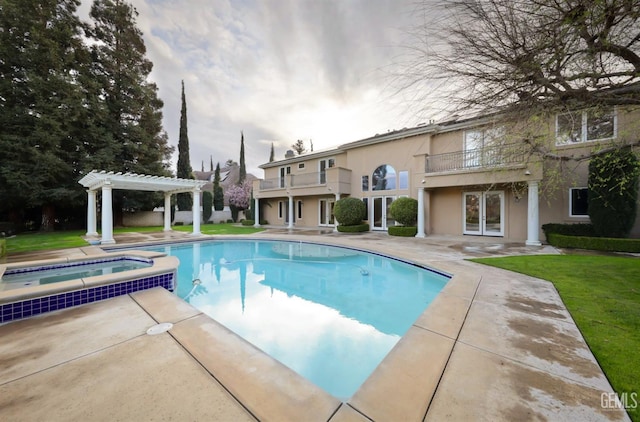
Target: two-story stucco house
{"type": "Point", "coordinates": [471, 177]}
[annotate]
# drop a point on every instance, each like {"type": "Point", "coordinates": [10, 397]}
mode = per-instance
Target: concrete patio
{"type": "Point", "coordinates": [494, 345]}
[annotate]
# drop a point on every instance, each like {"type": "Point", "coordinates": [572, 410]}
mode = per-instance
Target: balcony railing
{"type": "Point", "coordinates": [272, 184]}
{"type": "Point", "coordinates": [494, 156]}
{"type": "Point", "coordinates": [338, 180]}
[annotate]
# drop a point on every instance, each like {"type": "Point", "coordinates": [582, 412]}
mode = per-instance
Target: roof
{"type": "Point", "coordinates": [132, 181]}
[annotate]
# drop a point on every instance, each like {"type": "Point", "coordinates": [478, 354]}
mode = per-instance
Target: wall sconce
{"type": "Point", "coordinates": [527, 173]}
{"type": "Point", "coordinates": [517, 197]}
{"type": "Point", "coordinates": [423, 181]}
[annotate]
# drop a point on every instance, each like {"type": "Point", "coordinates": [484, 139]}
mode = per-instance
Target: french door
{"type": "Point", "coordinates": [483, 213]}
{"type": "Point", "coordinates": [381, 217]}
{"type": "Point", "coordinates": [326, 212]}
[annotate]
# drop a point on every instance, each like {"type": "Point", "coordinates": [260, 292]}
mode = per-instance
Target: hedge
{"type": "Point", "coordinates": [405, 231]}
{"type": "Point", "coordinates": [569, 229]}
{"type": "Point", "coordinates": [248, 222]}
{"type": "Point", "coordinates": [355, 228]}
{"type": "Point", "coordinates": [594, 243]}
{"type": "Point", "coordinates": [3, 247]}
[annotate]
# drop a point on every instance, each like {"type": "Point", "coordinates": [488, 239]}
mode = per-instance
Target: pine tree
{"type": "Point", "coordinates": [272, 156]}
{"type": "Point", "coordinates": [133, 118]}
{"type": "Point", "coordinates": [298, 147]}
{"type": "Point", "coordinates": [185, 201]}
{"type": "Point", "coordinates": [243, 169]}
{"type": "Point", "coordinates": [211, 163]}
{"type": "Point", "coordinates": [41, 58]}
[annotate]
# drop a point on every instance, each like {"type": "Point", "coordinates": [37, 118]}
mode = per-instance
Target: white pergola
{"type": "Point", "coordinates": [107, 181]}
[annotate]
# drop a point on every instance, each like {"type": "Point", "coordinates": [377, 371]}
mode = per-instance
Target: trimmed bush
{"type": "Point", "coordinates": [354, 228]}
{"type": "Point", "coordinates": [594, 243]}
{"type": "Point", "coordinates": [3, 247]}
{"type": "Point", "coordinates": [248, 222]}
{"type": "Point", "coordinates": [569, 229]}
{"type": "Point", "coordinates": [350, 211]}
{"type": "Point", "coordinates": [405, 231]}
{"type": "Point", "coordinates": [264, 222]}
{"type": "Point", "coordinates": [404, 211]}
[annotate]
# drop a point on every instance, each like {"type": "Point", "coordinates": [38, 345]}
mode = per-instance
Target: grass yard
{"type": "Point", "coordinates": [602, 293]}
{"type": "Point", "coordinates": [38, 241]}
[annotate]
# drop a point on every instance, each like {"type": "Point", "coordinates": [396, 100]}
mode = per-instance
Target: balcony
{"type": "Point", "coordinates": [333, 180]}
{"type": "Point", "coordinates": [477, 159]}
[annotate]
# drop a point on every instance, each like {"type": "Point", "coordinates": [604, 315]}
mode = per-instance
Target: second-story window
{"type": "Point", "coordinates": [365, 183]}
{"type": "Point", "coordinates": [584, 126]}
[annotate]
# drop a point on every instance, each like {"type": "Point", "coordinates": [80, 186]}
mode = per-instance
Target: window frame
{"type": "Point", "coordinates": [571, 206]}
{"type": "Point", "coordinates": [584, 128]}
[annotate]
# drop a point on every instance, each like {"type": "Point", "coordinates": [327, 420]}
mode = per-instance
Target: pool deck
{"type": "Point", "coordinates": [494, 345]}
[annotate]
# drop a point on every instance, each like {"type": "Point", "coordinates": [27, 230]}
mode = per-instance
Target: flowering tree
{"type": "Point", "coordinates": [239, 197]}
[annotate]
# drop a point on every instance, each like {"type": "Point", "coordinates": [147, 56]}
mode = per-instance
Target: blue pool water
{"type": "Point", "coordinates": [331, 314]}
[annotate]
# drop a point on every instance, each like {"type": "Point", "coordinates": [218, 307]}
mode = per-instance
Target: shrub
{"type": "Point", "coordinates": [349, 211]}
{"type": "Point", "coordinates": [230, 220]}
{"type": "Point", "coordinates": [207, 205]}
{"type": "Point", "coordinates": [264, 222]}
{"type": "Point", "coordinates": [613, 192]}
{"type": "Point", "coordinates": [405, 231]}
{"type": "Point", "coordinates": [405, 211]}
{"type": "Point", "coordinates": [3, 247]}
{"type": "Point", "coordinates": [247, 222]}
{"type": "Point", "coordinates": [569, 229]}
{"type": "Point", "coordinates": [594, 243]}
{"type": "Point", "coordinates": [354, 228]}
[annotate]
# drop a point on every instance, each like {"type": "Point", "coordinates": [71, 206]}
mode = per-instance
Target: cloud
{"type": "Point", "coordinates": [280, 70]}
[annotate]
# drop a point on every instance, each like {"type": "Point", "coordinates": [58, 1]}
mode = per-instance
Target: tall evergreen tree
{"type": "Point", "coordinates": [185, 201]}
{"type": "Point", "coordinates": [243, 169]}
{"type": "Point", "coordinates": [134, 112]}
{"type": "Point", "coordinates": [218, 192]}
{"type": "Point", "coordinates": [211, 163]}
{"type": "Point", "coordinates": [41, 56]}
{"type": "Point", "coordinates": [272, 156]}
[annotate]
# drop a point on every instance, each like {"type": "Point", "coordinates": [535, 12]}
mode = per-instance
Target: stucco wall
{"type": "Point", "coordinates": [143, 219]}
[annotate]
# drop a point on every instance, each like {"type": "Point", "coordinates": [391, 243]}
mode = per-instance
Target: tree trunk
{"type": "Point", "coordinates": [48, 218]}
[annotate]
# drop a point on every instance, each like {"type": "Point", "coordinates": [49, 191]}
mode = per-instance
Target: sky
{"type": "Point", "coordinates": [277, 70]}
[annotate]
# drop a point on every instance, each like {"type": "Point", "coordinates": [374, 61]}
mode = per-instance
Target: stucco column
{"type": "Point", "coordinates": [107, 214]}
{"type": "Point", "coordinates": [335, 220]}
{"type": "Point", "coordinates": [91, 214]}
{"type": "Point", "coordinates": [195, 212]}
{"type": "Point", "coordinates": [290, 226]}
{"type": "Point", "coordinates": [420, 212]}
{"type": "Point", "coordinates": [256, 218]}
{"type": "Point", "coordinates": [532, 215]}
{"type": "Point", "coordinates": [167, 212]}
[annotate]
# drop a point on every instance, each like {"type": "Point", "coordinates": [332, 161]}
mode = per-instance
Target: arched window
{"type": "Point", "coordinates": [384, 178]}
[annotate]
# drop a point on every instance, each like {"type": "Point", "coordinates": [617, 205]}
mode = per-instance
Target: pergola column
{"type": "Point", "coordinates": [532, 215]}
{"type": "Point", "coordinates": [256, 217]}
{"type": "Point", "coordinates": [167, 212]}
{"type": "Point", "coordinates": [196, 212]}
{"type": "Point", "coordinates": [91, 213]}
{"type": "Point", "coordinates": [290, 225]}
{"type": "Point", "coordinates": [420, 213]}
{"type": "Point", "coordinates": [107, 214]}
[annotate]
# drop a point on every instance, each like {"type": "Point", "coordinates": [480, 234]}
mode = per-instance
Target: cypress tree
{"type": "Point", "coordinates": [243, 169]}
{"type": "Point", "coordinates": [218, 192]}
{"type": "Point", "coordinates": [185, 201]}
{"type": "Point", "coordinates": [272, 156]}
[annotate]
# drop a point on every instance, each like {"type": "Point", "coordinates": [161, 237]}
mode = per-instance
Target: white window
{"type": "Point", "coordinates": [578, 202]}
{"type": "Point", "coordinates": [284, 172]}
{"type": "Point", "coordinates": [584, 126]}
{"type": "Point", "coordinates": [323, 165]}
{"type": "Point", "coordinates": [281, 209]}
{"type": "Point", "coordinates": [299, 209]}
{"type": "Point", "coordinates": [300, 166]}
{"type": "Point", "coordinates": [403, 179]}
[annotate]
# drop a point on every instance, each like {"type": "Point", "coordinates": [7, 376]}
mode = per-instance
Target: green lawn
{"type": "Point", "coordinates": [27, 242]}
{"type": "Point", "coordinates": [602, 293]}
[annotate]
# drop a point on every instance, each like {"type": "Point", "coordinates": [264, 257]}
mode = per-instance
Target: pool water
{"type": "Point", "coordinates": [64, 272]}
{"type": "Point", "coordinates": [331, 314]}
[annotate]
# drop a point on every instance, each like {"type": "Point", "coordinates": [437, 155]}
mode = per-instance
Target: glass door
{"type": "Point", "coordinates": [326, 212]}
{"type": "Point", "coordinates": [381, 216]}
{"type": "Point", "coordinates": [483, 213]}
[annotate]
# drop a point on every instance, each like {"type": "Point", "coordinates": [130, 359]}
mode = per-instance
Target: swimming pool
{"type": "Point", "coordinates": [331, 314]}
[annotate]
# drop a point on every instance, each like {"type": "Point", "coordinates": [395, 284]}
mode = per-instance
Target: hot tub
{"type": "Point", "coordinates": [36, 287]}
